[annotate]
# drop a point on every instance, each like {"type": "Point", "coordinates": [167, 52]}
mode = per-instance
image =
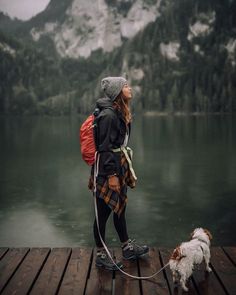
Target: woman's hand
{"type": "Point", "coordinates": [114, 183]}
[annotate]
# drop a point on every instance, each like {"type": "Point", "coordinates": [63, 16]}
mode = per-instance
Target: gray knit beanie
{"type": "Point", "coordinates": [112, 86]}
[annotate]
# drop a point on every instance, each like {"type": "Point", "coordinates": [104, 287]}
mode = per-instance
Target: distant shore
{"type": "Point", "coordinates": [143, 113]}
{"type": "Point", "coordinates": [157, 113]}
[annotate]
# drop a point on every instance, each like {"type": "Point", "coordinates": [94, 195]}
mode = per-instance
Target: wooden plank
{"type": "Point", "coordinates": [76, 273]}
{"type": "Point", "coordinates": [9, 263]}
{"type": "Point", "coordinates": [175, 288]}
{"type": "Point", "coordinates": [207, 283]}
{"type": "Point", "coordinates": [99, 281]}
{"type": "Point", "coordinates": [148, 266]}
{"type": "Point", "coordinates": [22, 269]}
{"type": "Point", "coordinates": [50, 276]}
{"type": "Point", "coordinates": [231, 251]}
{"type": "Point", "coordinates": [3, 250]}
{"type": "Point", "coordinates": [27, 271]}
{"type": "Point", "coordinates": [124, 285]}
{"type": "Point", "coordinates": [225, 269]}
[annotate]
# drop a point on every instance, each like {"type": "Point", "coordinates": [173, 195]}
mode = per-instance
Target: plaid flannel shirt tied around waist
{"type": "Point", "coordinates": [116, 201]}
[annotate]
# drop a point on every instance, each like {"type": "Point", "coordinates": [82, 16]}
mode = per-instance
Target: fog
{"type": "Point", "coordinates": [23, 9]}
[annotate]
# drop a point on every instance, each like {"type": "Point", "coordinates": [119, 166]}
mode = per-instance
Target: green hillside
{"type": "Point", "coordinates": [200, 76]}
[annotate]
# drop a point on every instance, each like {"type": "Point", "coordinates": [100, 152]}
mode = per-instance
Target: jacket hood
{"type": "Point", "coordinates": [103, 103]}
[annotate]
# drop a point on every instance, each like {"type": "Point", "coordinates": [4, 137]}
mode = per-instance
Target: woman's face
{"type": "Point", "coordinates": [127, 92]}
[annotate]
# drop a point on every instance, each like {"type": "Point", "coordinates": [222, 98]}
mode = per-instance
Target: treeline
{"type": "Point", "coordinates": [28, 78]}
{"type": "Point", "coordinates": [201, 81]}
{"type": "Point", "coordinates": [37, 81]}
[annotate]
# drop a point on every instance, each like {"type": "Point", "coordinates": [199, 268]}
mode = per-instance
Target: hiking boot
{"type": "Point", "coordinates": [132, 251]}
{"type": "Point", "coordinates": [104, 261]}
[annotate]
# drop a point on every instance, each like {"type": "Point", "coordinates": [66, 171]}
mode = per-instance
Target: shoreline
{"type": "Point", "coordinates": [143, 113]}
{"type": "Point", "coordinates": [179, 114]}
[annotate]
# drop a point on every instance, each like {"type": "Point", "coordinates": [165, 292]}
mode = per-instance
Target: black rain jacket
{"type": "Point", "coordinates": [109, 134]}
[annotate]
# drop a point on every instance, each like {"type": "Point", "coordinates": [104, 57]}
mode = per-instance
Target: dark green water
{"type": "Point", "coordinates": [186, 169]}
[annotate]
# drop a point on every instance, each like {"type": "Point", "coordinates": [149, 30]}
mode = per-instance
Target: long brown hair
{"type": "Point", "coordinates": [122, 105]}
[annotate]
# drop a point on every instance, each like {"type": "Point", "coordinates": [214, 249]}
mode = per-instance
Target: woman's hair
{"type": "Point", "coordinates": [122, 105]}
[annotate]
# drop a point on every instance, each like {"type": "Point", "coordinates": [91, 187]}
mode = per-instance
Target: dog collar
{"type": "Point", "coordinates": [201, 240]}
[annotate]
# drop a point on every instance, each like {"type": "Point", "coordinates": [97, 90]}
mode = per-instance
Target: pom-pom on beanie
{"type": "Point", "coordinates": [112, 86]}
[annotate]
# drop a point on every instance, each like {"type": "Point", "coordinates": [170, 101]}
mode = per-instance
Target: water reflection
{"type": "Point", "coordinates": [33, 224]}
{"type": "Point", "coordinates": [186, 169]}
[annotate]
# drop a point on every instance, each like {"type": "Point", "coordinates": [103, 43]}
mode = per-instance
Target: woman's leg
{"type": "Point", "coordinates": [120, 226]}
{"type": "Point", "coordinates": [104, 212]}
{"type": "Point", "coordinates": [130, 250]}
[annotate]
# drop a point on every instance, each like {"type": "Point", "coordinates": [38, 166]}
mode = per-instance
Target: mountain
{"type": "Point", "coordinates": [7, 24]}
{"type": "Point", "coordinates": [185, 61]}
{"type": "Point", "coordinates": [27, 77]}
{"type": "Point", "coordinates": [182, 59]}
{"type": "Point", "coordinates": [78, 27]}
{"type": "Point", "coordinates": [90, 25]}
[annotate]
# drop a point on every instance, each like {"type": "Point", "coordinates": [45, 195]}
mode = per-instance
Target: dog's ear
{"type": "Point", "coordinates": [176, 255]}
{"type": "Point", "coordinates": [191, 235]}
{"type": "Point", "coordinates": [208, 233]}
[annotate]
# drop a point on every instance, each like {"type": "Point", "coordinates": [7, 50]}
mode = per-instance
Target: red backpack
{"type": "Point", "coordinates": [87, 143]}
{"type": "Point", "coordinates": [88, 132]}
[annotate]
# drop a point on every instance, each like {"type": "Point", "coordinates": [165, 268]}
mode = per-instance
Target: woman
{"type": "Point", "coordinates": [115, 170]}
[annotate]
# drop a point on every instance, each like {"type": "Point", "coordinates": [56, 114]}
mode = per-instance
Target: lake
{"type": "Point", "coordinates": [186, 168]}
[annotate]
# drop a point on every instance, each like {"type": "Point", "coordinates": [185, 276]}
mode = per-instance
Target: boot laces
{"type": "Point", "coordinates": [132, 245]}
{"type": "Point", "coordinates": [104, 255]}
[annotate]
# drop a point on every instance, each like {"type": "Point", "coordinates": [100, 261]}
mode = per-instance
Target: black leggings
{"type": "Point", "coordinates": [104, 212]}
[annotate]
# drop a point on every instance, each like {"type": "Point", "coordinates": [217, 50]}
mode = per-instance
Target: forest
{"type": "Point", "coordinates": [34, 79]}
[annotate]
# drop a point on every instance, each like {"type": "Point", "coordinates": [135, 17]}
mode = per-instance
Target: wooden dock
{"type": "Point", "coordinates": [72, 271]}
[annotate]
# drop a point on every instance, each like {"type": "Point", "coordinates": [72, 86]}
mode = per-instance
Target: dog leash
{"type": "Point", "coordinates": [96, 165]}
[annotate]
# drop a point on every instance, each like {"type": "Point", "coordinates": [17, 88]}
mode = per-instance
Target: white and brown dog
{"type": "Point", "coordinates": [188, 254]}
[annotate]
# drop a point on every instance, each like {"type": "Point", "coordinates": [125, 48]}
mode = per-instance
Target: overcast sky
{"type": "Point", "coordinates": [23, 9]}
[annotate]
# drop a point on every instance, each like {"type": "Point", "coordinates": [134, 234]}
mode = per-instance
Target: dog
{"type": "Point", "coordinates": [189, 254]}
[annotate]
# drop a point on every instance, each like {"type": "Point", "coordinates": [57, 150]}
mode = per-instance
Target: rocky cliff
{"type": "Point", "coordinates": [88, 25]}
{"type": "Point", "coordinates": [178, 55]}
